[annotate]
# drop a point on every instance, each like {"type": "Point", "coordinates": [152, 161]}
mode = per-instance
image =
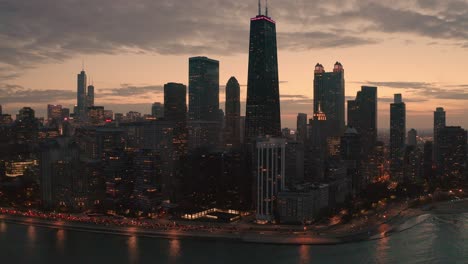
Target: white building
{"type": "Point", "coordinates": [270, 176]}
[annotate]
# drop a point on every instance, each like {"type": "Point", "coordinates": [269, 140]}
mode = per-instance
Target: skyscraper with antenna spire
{"type": "Point", "coordinates": [81, 94]}
{"type": "Point", "coordinates": [263, 103]}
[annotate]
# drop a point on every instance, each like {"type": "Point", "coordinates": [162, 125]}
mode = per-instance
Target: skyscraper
{"type": "Point", "coordinates": [54, 112]}
{"type": "Point", "coordinates": [175, 110]}
{"type": "Point", "coordinates": [81, 95]}
{"type": "Point", "coordinates": [203, 89]}
{"type": "Point", "coordinates": [90, 96]}
{"type": "Point", "coordinates": [270, 176]}
{"type": "Point", "coordinates": [439, 123]}
{"type": "Point", "coordinates": [452, 142]}
{"type": "Point", "coordinates": [428, 170]}
{"type": "Point", "coordinates": [412, 137]}
{"type": "Point", "coordinates": [263, 101]}
{"type": "Point", "coordinates": [232, 125]}
{"type": "Point", "coordinates": [301, 131]}
{"type": "Point", "coordinates": [329, 93]}
{"type": "Point", "coordinates": [175, 102]}
{"type": "Point", "coordinates": [157, 110]}
{"type": "Point", "coordinates": [362, 115]}
{"type": "Point", "coordinates": [397, 136]}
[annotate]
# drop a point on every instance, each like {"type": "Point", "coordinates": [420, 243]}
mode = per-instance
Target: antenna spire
{"type": "Point", "coordinates": [259, 8]}
{"type": "Point", "coordinates": [82, 64]}
{"type": "Point", "coordinates": [266, 8]}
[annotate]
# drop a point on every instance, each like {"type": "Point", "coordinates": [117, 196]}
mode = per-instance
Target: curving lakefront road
{"type": "Point", "coordinates": [402, 221]}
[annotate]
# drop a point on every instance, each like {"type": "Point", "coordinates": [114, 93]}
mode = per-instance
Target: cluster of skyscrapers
{"type": "Point", "coordinates": [190, 156]}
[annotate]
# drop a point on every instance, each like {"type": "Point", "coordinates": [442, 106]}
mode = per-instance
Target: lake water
{"type": "Point", "coordinates": [439, 239]}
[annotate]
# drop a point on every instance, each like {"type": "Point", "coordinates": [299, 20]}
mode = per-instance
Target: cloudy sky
{"type": "Point", "coordinates": [131, 48]}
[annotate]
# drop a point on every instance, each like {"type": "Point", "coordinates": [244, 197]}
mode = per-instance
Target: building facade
{"type": "Point", "coordinates": [329, 95]}
{"type": "Point", "coordinates": [270, 181]}
{"type": "Point", "coordinates": [263, 101]}
{"type": "Point", "coordinates": [397, 137]}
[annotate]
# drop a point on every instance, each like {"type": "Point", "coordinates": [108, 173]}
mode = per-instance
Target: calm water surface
{"type": "Point", "coordinates": [440, 239]}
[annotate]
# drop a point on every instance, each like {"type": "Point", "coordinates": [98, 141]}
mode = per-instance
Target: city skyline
{"type": "Point", "coordinates": [141, 73]}
{"type": "Point", "coordinates": [211, 157]}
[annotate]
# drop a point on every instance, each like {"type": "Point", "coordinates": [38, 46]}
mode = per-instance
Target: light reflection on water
{"type": "Point", "coordinates": [133, 249]}
{"type": "Point", "coordinates": [304, 254]}
{"type": "Point", "coordinates": [31, 234]}
{"type": "Point", "coordinates": [441, 239]}
{"type": "Point", "coordinates": [382, 245]}
{"type": "Point", "coordinates": [60, 240]}
{"type": "Point", "coordinates": [174, 250]}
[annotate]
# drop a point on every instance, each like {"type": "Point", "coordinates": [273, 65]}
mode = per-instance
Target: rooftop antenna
{"type": "Point", "coordinates": [259, 8]}
{"type": "Point", "coordinates": [266, 9]}
{"type": "Point", "coordinates": [82, 64]}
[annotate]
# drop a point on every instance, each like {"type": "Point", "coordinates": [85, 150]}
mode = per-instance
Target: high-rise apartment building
{"type": "Point", "coordinates": [397, 136]}
{"type": "Point", "coordinates": [439, 123]}
{"type": "Point", "coordinates": [271, 169]}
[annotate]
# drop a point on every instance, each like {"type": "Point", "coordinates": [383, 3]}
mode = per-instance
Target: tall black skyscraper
{"type": "Point", "coordinates": [397, 137]}
{"type": "Point", "coordinates": [81, 95]}
{"type": "Point", "coordinates": [329, 93]}
{"type": "Point", "coordinates": [362, 115]}
{"type": "Point", "coordinates": [301, 130]}
{"type": "Point", "coordinates": [232, 126]}
{"type": "Point", "coordinates": [203, 89]}
{"type": "Point", "coordinates": [263, 102]}
{"type": "Point", "coordinates": [439, 123]}
{"type": "Point", "coordinates": [175, 102]}
{"type": "Point", "coordinates": [175, 111]}
{"type": "Point", "coordinates": [90, 96]}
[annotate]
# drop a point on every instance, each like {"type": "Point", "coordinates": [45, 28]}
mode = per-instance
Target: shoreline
{"type": "Point", "coordinates": [393, 225]}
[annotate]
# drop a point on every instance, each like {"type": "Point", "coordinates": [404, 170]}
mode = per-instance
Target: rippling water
{"type": "Point", "coordinates": [439, 239]}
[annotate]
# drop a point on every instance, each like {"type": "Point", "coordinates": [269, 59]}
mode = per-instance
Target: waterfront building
{"type": "Point", "coordinates": [397, 137]}
{"type": "Point", "coordinates": [271, 169]}
{"type": "Point", "coordinates": [439, 123]}
{"type": "Point", "coordinates": [452, 141]}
